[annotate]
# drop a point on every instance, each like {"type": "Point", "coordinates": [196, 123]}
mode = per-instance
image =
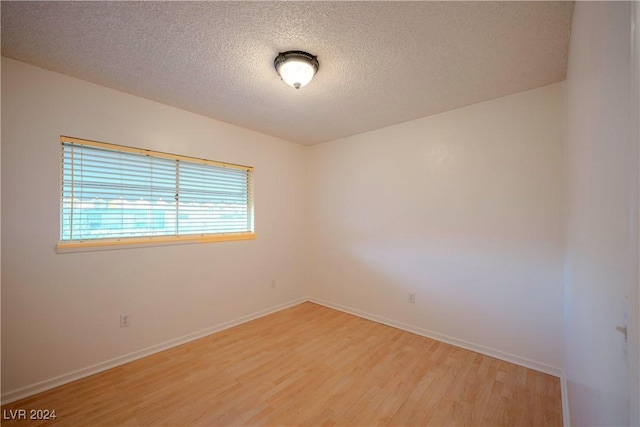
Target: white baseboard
{"type": "Point", "coordinates": [566, 419]}
{"type": "Point", "coordinates": [21, 393]}
{"type": "Point", "coordinates": [508, 357]}
{"type": "Point", "coordinates": [12, 396]}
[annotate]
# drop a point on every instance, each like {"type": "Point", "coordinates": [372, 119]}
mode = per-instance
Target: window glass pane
{"type": "Point", "coordinates": [212, 199]}
{"type": "Point", "coordinates": [107, 193]}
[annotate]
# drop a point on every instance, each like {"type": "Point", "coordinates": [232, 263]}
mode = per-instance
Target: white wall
{"type": "Point", "coordinates": [464, 209]}
{"type": "Point", "coordinates": [602, 216]}
{"type": "Point", "coordinates": [60, 312]}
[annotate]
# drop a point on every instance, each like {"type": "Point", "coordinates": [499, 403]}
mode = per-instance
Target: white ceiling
{"type": "Point", "coordinates": [381, 63]}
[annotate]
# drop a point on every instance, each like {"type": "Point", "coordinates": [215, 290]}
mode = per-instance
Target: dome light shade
{"type": "Point", "coordinates": [296, 68]}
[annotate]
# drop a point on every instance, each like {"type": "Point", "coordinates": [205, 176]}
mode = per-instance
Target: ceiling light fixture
{"type": "Point", "coordinates": [296, 67]}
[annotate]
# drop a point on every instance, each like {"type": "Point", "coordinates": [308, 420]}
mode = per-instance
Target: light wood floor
{"type": "Point", "coordinates": [308, 365]}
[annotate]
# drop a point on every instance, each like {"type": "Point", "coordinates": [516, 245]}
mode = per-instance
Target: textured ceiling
{"type": "Point", "coordinates": [381, 63]}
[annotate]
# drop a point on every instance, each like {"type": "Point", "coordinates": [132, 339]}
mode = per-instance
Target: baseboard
{"type": "Point", "coordinates": [21, 393]}
{"type": "Point", "coordinates": [566, 419]}
{"type": "Point", "coordinates": [508, 357]}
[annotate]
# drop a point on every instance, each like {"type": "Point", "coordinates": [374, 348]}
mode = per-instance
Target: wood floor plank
{"type": "Point", "coordinates": [306, 366]}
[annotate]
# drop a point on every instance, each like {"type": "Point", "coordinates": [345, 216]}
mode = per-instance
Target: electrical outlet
{"type": "Point", "coordinates": [273, 284]}
{"type": "Point", "coordinates": [124, 320]}
{"type": "Point", "coordinates": [412, 298]}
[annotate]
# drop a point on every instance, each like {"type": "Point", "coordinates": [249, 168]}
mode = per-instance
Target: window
{"type": "Point", "coordinates": [116, 195]}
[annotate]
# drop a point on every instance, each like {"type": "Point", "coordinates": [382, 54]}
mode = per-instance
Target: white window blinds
{"type": "Point", "coordinates": [111, 192]}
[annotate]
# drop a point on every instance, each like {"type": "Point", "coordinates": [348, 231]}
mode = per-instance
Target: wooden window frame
{"type": "Point", "coordinates": [75, 245]}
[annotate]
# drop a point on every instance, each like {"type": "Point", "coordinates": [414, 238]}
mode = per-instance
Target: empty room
{"type": "Point", "coordinates": [320, 213]}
